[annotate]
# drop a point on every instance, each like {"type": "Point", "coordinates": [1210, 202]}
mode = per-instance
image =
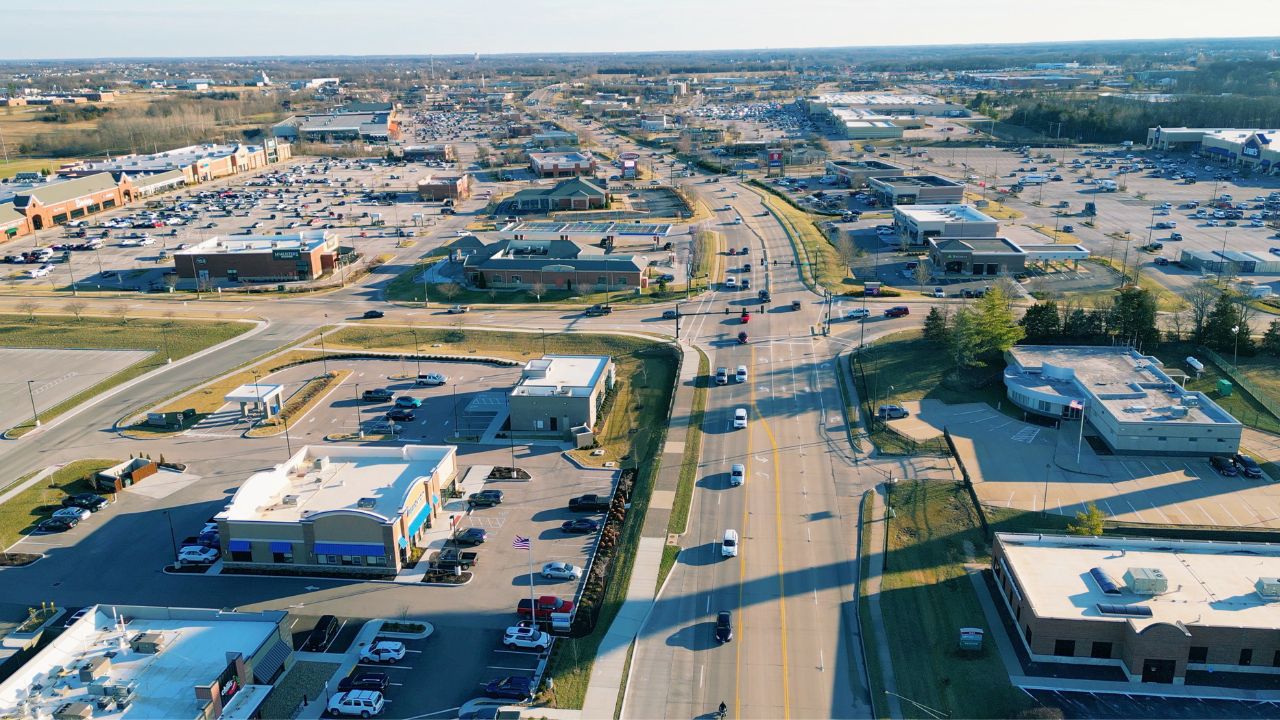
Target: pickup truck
{"type": "Point", "coordinates": [548, 605]}
{"type": "Point", "coordinates": [589, 503]}
{"type": "Point", "coordinates": [450, 558]}
{"type": "Point", "coordinates": [598, 310]}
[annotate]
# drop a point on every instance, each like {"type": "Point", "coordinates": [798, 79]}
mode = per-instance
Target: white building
{"type": "Point", "coordinates": [918, 223]}
{"type": "Point", "coordinates": [559, 392]}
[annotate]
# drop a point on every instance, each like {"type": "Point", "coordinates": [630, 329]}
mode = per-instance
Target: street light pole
{"type": "Point", "coordinates": [173, 539]}
{"type": "Point", "coordinates": [1235, 347]}
{"type": "Point", "coordinates": [35, 416]}
{"type": "Point", "coordinates": [324, 355]}
{"type": "Point", "coordinates": [359, 430]}
{"type": "Point", "coordinates": [417, 351]}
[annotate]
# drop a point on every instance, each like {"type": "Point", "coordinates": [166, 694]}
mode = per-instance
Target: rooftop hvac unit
{"type": "Point", "coordinates": [321, 463]}
{"type": "Point", "coordinates": [1146, 581]}
{"type": "Point", "coordinates": [289, 500]}
{"type": "Point", "coordinates": [1268, 588]}
{"type": "Point", "coordinates": [367, 502]}
{"type": "Point", "coordinates": [1190, 401]}
{"type": "Point", "coordinates": [1135, 408]}
{"type": "Point", "coordinates": [148, 643]}
{"type": "Point", "coordinates": [1177, 411]}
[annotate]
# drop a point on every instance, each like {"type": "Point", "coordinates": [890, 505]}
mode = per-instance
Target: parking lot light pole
{"type": "Point", "coordinates": [417, 351]}
{"type": "Point", "coordinates": [359, 430]}
{"type": "Point", "coordinates": [35, 416]}
{"type": "Point", "coordinates": [1235, 346]}
{"type": "Point", "coordinates": [173, 539]}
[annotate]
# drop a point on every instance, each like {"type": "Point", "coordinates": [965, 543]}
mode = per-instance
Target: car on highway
{"type": "Point", "coordinates": [580, 526]}
{"type": "Point", "coordinates": [1224, 465]}
{"type": "Point", "coordinates": [383, 651]}
{"type": "Point", "coordinates": [519, 636]}
{"type": "Point", "coordinates": [897, 311]}
{"type": "Point", "coordinates": [739, 418]}
{"type": "Point", "coordinates": [722, 376]}
{"type": "Point", "coordinates": [377, 395]}
{"type": "Point", "coordinates": [471, 536]}
{"type": "Point", "coordinates": [197, 555]}
{"type": "Point", "coordinates": [400, 415]}
{"type": "Point", "coordinates": [598, 310]}
{"type": "Point", "coordinates": [458, 309]}
{"type": "Point", "coordinates": [741, 374]}
{"type": "Point", "coordinates": [408, 401]}
{"type": "Point", "coordinates": [857, 314]}
{"type": "Point", "coordinates": [373, 314]}
{"type": "Point", "coordinates": [88, 501]}
{"type": "Point", "coordinates": [485, 498]}
{"type": "Point", "coordinates": [1247, 466]}
{"type": "Point", "coordinates": [737, 474]}
{"type": "Point", "coordinates": [731, 283]}
{"type": "Point", "coordinates": [561, 571]}
{"type": "Point", "coordinates": [742, 338]}
{"type": "Point", "coordinates": [729, 543]}
{"type": "Point", "coordinates": [724, 626]}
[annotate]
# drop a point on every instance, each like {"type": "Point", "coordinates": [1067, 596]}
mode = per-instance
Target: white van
{"type": "Point", "coordinates": [729, 545]}
{"type": "Point", "coordinates": [737, 474]}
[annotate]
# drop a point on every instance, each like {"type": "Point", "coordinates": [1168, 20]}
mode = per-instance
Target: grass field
{"type": "Point", "coordinates": [1262, 371]}
{"type": "Point", "coordinates": [822, 264]}
{"type": "Point", "coordinates": [870, 630]}
{"type": "Point", "coordinates": [8, 169]}
{"type": "Point", "coordinates": [679, 520]}
{"type": "Point", "coordinates": [926, 597]}
{"type": "Point", "coordinates": [180, 337]}
{"type": "Point", "coordinates": [20, 514]}
{"type": "Point", "coordinates": [904, 366]}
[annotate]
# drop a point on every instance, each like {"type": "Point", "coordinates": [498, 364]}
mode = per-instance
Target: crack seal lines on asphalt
{"type": "Point", "coordinates": [782, 591]}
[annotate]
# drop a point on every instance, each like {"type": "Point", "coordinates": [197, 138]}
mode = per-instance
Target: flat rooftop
{"type": "Point", "coordinates": [866, 165]}
{"type": "Point", "coordinates": [900, 181]}
{"type": "Point", "coordinates": [877, 99]}
{"type": "Point", "coordinates": [564, 375]}
{"type": "Point", "coordinates": [373, 480]}
{"type": "Point", "coordinates": [559, 157]}
{"type": "Point", "coordinates": [306, 241]}
{"type": "Point", "coordinates": [1209, 583]}
{"type": "Point", "coordinates": [157, 162]}
{"type": "Point", "coordinates": [588, 228]}
{"type": "Point", "coordinates": [194, 653]}
{"type": "Point", "coordinates": [1132, 387]}
{"type": "Point", "coordinates": [942, 213]}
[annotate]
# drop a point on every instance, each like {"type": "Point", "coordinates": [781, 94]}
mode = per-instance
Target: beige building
{"type": "Point", "coordinates": [355, 510]}
{"type": "Point", "coordinates": [559, 392]}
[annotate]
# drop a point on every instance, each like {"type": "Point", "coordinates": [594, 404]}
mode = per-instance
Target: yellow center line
{"type": "Point", "coordinates": [777, 516]}
{"type": "Point", "coordinates": [742, 571]}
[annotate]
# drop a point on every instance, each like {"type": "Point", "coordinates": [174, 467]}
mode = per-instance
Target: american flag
{"type": "Point", "coordinates": [520, 543]}
{"type": "Point", "coordinates": [1077, 405]}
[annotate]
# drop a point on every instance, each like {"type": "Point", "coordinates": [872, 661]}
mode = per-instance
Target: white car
{"type": "Point", "coordinates": [432, 379]}
{"type": "Point", "coordinates": [77, 513]}
{"type": "Point", "coordinates": [362, 703]}
{"type": "Point", "coordinates": [197, 555]}
{"type": "Point", "coordinates": [731, 283]}
{"type": "Point", "coordinates": [857, 314]}
{"type": "Point", "coordinates": [737, 474]}
{"type": "Point", "coordinates": [741, 374]}
{"type": "Point", "coordinates": [388, 651]}
{"type": "Point", "coordinates": [739, 418]}
{"type": "Point", "coordinates": [561, 571]}
{"type": "Point", "coordinates": [526, 637]}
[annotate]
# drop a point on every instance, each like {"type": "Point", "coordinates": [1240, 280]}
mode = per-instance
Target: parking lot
{"type": "Point", "coordinates": [55, 375]}
{"type": "Point", "coordinates": [1032, 467]}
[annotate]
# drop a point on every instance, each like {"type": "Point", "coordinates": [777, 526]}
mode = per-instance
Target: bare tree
{"type": "Point", "coordinates": [847, 250]}
{"type": "Point", "coordinates": [1201, 297]}
{"type": "Point", "coordinates": [29, 307]}
{"type": "Point", "coordinates": [538, 290]}
{"type": "Point", "coordinates": [449, 290]}
{"type": "Point", "coordinates": [922, 273]}
{"type": "Point", "coordinates": [121, 313]}
{"type": "Point", "coordinates": [75, 307]}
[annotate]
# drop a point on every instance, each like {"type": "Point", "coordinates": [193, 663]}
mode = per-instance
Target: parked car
{"type": "Point", "coordinates": [55, 525]}
{"type": "Point", "coordinates": [408, 401]}
{"type": "Point", "coordinates": [197, 555]}
{"type": "Point", "coordinates": [88, 501]}
{"type": "Point", "coordinates": [471, 536]}
{"type": "Point", "coordinates": [76, 513]}
{"type": "Point", "coordinates": [377, 395]}
{"type": "Point", "coordinates": [724, 626]}
{"type": "Point", "coordinates": [383, 651]}
{"type": "Point", "coordinates": [580, 526]}
{"type": "Point", "coordinates": [400, 415]}
{"type": "Point", "coordinates": [589, 503]}
{"type": "Point", "coordinates": [520, 636]}
{"type": "Point", "coordinates": [1247, 466]}
{"type": "Point", "coordinates": [322, 634]}
{"type": "Point", "coordinates": [362, 703]}
{"type": "Point", "coordinates": [561, 571]}
{"type": "Point", "coordinates": [546, 606]}
{"type": "Point", "coordinates": [369, 680]}
{"type": "Point", "coordinates": [1224, 465]}
{"type": "Point", "coordinates": [891, 412]}
{"type": "Point", "coordinates": [485, 498]}
{"type": "Point", "coordinates": [372, 314]}
{"type": "Point", "coordinates": [510, 688]}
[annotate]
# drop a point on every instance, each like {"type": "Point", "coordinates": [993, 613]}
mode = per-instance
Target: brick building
{"type": "Point", "coordinates": [562, 164]}
{"type": "Point", "coordinates": [1150, 611]}
{"type": "Point", "coordinates": [258, 258]}
{"type": "Point", "coordinates": [445, 187]}
{"type": "Point", "coordinates": [571, 194]}
{"type": "Point", "coordinates": [59, 202]}
{"type": "Point", "coordinates": [552, 264]}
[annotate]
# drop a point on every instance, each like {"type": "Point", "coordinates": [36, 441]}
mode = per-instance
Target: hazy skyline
{"type": "Point", "coordinates": [52, 29]}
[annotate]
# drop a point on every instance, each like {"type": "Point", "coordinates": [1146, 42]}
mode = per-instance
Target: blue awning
{"type": "Point", "coordinates": [403, 542]}
{"type": "Point", "coordinates": [326, 548]}
{"type": "Point", "coordinates": [239, 546]}
{"type": "Point", "coordinates": [266, 669]}
{"type": "Point", "coordinates": [283, 547]}
{"type": "Point", "coordinates": [1217, 151]}
{"type": "Point", "coordinates": [416, 523]}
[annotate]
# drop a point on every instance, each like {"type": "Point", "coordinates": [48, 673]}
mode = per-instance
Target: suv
{"type": "Point", "coordinates": [364, 681]}
{"type": "Point", "coordinates": [897, 311]}
{"type": "Point", "coordinates": [1224, 465]}
{"type": "Point", "coordinates": [388, 651]}
{"type": "Point", "coordinates": [485, 498]}
{"type": "Point", "coordinates": [737, 474]}
{"type": "Point", "coordinates": [722, 376]}
{"type": "Point", "coordinates": [1247, 466]}
{"type": "Point", "coordinates": [364, 703]}
{"type": "Point", "coordinates": [724, 626]}
{"type": "Point", "coordinates": [891, 412]}
{"type": "Point", "coordinates": [377, 395]}
{"type": "Point", "coordinates": [88, 501]}
{"type": "Point", "coordinates": [598, 310]}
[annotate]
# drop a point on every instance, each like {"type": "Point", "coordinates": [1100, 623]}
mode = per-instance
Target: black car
{"type": "Point", "coordinates": [1224, 465]}
{"type": "Point", "coordinates": [372, 314]}
{"type": "Point", "coordinates": [364, 681]}
{"type": "Point", "coordinates": [670, 314]}
{"type": "Point", "coordinates": [1247, 465]}
{"type": "Point", "coordinates": [510, 688]}
{"type": "Point", "coordinates": [377, 395]}
{"type": "Point", "coordinates": [88, 501]}
{"type": "Point", "coordinates": [584, 525]}
{"type": "Point", "coordinates": [56, 525]}
{"type": "Point", "coordinates": [471, 536]}
{"type": "Point", "coordinates": [322, 634]}
{"type": "Point", "coordinates": [401, 415]}
{"type": "Point", "coordinates": [486, 498]}
{"type": "Point", "coordinates": [724, 626]}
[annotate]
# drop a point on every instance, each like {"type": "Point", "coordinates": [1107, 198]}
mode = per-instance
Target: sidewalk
{"type": "Point", "coordinates": [14, 490]}
{"type": "Point", "coordinates": [606, 675]}
{"type": "Point", "coordinates": [315, 707]}
{"type": "Point", "coordinates": [437, 536]}
{"type": "Point", "coordinates": [875, 540]}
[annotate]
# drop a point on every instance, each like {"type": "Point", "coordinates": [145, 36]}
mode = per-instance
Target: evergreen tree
{"type": "Point", "coordinates": [935, 327]}
{"type": "Point", "coordinates": [1042, 321]}
{"type": "Point", "coordinates": [1271, 340]}
{"type": "Point", "coordinates": [997, 330]}
{"type": "Point", "coordinates": [1133, 317]}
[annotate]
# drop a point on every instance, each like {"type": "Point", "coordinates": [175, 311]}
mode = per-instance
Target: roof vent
{"type": "Point", "coordinates": [1268, 588]}
{"type": "Point", "coordinates": [1146, 581]}
{"type": "Point", "coordinates": [367, 502]}
{"type": "Point", "coordinates": [289, 500]}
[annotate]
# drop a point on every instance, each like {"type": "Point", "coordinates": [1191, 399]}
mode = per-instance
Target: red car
{"type": "Point", "coordinates": [897, 311]}
{"type": "Point", "coordinates": [746, 317]}
{"type": "Point", "coordinates": [547, 605]}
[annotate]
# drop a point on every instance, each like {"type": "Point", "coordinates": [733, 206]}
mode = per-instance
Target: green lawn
{"type": "Point", "coordinates": [10, 168]}
{"type": "Point", "coordinates": [904, 366]}
{"type": "Point", "coordinates": [179, 337]}
{"type": "Point", "coordinates": [926, 598]}
{"type": "Point", "coordinates": [692, 447]}
{"type": "Point", "coordinates": [21, 513]}
{"type": "Point", "coordinates": [871, 632]}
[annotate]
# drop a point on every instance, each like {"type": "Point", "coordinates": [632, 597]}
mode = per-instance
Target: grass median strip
{"type": "Point", "coordinates": [821, 262]}
{"type": "Point", "coordinates": [19, 515]}
{"type": "Point", "coordinates": [870, 632]}
{"type": "Point", "coordinates": [300, 403]}
{"type": "Point", "coordinates": [164, 337]}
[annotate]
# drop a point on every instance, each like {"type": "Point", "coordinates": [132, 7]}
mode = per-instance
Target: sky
{"type": "Point", "coordinates": [50, 29]}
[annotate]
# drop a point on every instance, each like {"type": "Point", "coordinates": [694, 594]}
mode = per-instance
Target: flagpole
{"type": "Point", "coordinates": [533, 604]}
{"type": "Point", "coordinates": [1080, 439]}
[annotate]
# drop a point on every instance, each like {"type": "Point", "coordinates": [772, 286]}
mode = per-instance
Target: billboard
{"type": "Point", "coordinates": [775, 157]}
